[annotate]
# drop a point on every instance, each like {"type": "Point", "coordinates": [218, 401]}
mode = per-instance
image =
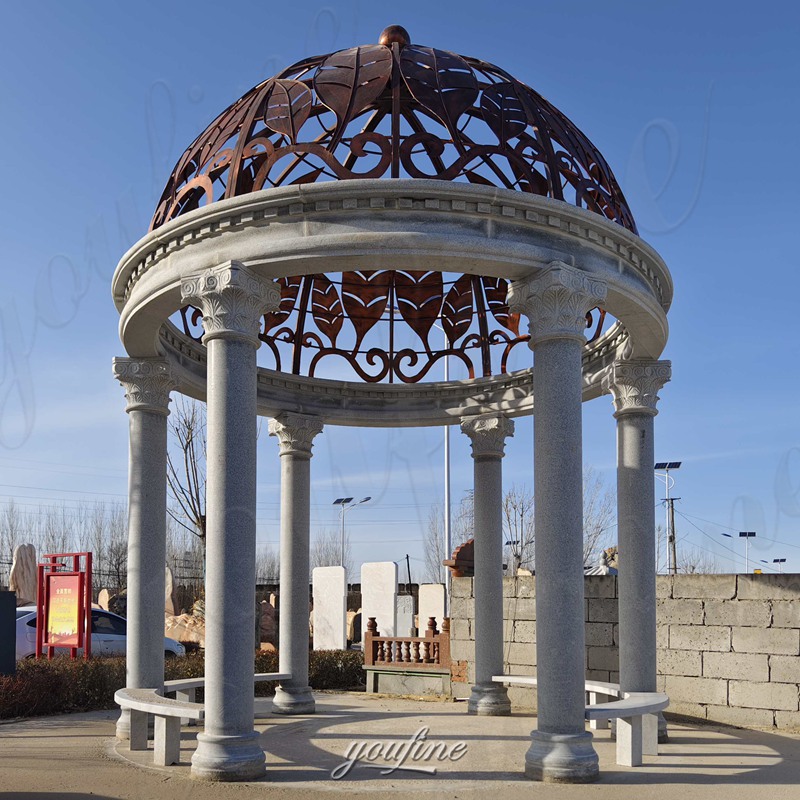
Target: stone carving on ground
{"type": "Point", "coordinates": [102, 599]}
{"type": "Point", "coordinates": [170, 599]}
{"type": "Point", "coordinates": [118, 603]}
{"type": "Point", "coordinates": [23, 574]}
{"type": "Point", "coordinates": [185, 628]}
{"type": "Point", "coordinates": [268, 628]}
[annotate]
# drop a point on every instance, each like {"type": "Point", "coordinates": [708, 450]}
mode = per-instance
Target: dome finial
{"type": "Point", "coordinates": [394, 33]}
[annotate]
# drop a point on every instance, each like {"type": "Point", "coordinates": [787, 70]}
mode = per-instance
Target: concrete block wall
{"type": "Point", "coordinates": [728, 645]}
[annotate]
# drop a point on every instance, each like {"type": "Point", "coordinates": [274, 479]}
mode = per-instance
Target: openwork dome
{"type": "Point", "coordinates": [392, 110]}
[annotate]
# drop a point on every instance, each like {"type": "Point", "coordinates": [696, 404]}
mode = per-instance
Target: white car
{"type": "Point", "coordinates": [109, 635]}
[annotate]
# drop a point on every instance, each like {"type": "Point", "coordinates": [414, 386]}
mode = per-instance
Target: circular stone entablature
{"type": "Point", "coordinates": [392, 191]}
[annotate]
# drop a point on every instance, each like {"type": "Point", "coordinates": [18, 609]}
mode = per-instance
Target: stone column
{"type": "Point", "coordinates": [556, 302]}
{"type": "Point", "coordinates": [487, 435]}
{"type": "Point", "coordinates": [232, 300]}
{"type": "Point", "coordinates": [295, 434]}
{"type": "Point", "coordinates": [147, 383]}
{"type": "Point", "coordinates": [634, 385]}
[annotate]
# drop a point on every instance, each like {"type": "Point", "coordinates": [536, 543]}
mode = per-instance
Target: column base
{"type": "Point", "coordinates": [123, 732]}
{"type": "Point", "coordinates": [293, 700]}
{"type": "Point", "coordinates": [124, 725]}
{"type": "Point", "coordinates": [561, 758]}
{"type": "Point", "coordinates": [228, 758]}
{"type": "Point", "coordinates": [489, 700]}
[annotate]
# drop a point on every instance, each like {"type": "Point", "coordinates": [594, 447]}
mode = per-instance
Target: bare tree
{"type": "Point", "coordinates": [326, 551]}
{"type": "Point", "coordinates": [518, 525]}
{"type": "Point", "coordinates": [518, 530]}
{"type": "Point", "coordinates": [693, 560]}
{"type": "Point", "coordinates": [267, 564]}
{"type": "Point", "coordinates": [186, 468]}
{"type": "Point", "coordinates": [598, 511]}
{"type": "Point", "coordinates": [461, 531]}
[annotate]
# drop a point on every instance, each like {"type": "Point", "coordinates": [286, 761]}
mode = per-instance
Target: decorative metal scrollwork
{"type": "Point", "coordinates": [381, 323]}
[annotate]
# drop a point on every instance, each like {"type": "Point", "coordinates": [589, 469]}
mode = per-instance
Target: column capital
{"type": "Point", "coordinates": [634, 385]}
{"type": "Point", "coordinates": [295, 433]}
{"type": "Point", "coordinates": [232, 299]}
{"type": "Point", "coordinates": [556, 301]}
{"type": "Point", "coordinates": [147, 383]}
{"type": "Point", "coordinates": [487, 434]}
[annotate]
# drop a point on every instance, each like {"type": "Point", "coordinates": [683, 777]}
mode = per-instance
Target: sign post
{"type": "Point", "coordinates": [64, 604]}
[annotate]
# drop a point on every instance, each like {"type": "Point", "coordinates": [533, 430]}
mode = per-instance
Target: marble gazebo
{"type": "Point", "coordinates": [317, 253]}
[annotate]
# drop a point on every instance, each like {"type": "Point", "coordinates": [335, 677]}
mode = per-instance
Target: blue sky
{"type": "Point", "coordinates": [694, 108]}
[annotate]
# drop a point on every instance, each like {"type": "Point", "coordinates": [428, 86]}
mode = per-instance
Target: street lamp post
{"type": "Point", "coordinates": [344, 503]}
{"type": "Point", "coordinates": [780, 562]}
{"type": "Point", "coordinates": [747, 536]}
{"type": "Point", "coordinates": [670, 507]}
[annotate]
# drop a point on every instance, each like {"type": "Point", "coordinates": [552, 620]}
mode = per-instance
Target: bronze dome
{"type": "Point", "coordinates": [396, 110]}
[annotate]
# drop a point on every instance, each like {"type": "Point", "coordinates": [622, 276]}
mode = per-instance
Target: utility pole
{"type": "Point", "coordinates": [670, 505]}
{"type": "Point", "coordinates": [408, 567]}
{"type": "Point", "coordinates": [673, 552]}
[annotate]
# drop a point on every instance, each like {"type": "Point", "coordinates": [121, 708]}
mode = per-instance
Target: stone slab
{"type": "Point", "coordinates": [683, 612]}
{"type": "Point", "coordinates": [699, 637]}
{"type": "Point", "coordinates": [329, 586]}
{"type": "Point", "coordinates": [431, 603]}
{"type": "Point", "coordinates": [742, 613]}
{"type": "Point", "coordinates": [775, 696]}
{"type": "Point", "coordinates": [682, 689]}
{"type": "Point", "coordinates": [405, 617]}
{"type": "Point", "coordinates": [704, 587]}
{"type": "Point", "coordinates": [679, 662]}
{"type": "Point", "coordinates": [784, 669]}
{"type": "Point", "coordinates": [769, 587]}
{"type": "Point", "coordinates": [379, 596]}
{"type": "Point", "coordinates": [775, 641]}
{"type": "Point", "coordinates": [740, 717]}
{"type": "Point", "coordinates": [786, 614]}
{"type": "Point", "coordinates": [741, 666]}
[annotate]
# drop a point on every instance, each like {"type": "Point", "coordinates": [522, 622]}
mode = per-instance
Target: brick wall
{"type": "Point", "coordinates": [728, 645]}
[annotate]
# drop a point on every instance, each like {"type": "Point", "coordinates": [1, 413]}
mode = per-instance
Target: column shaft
{"type": "Point", "coordinates": [558, 514]}
{"type": "Point", "coordinates": [147, 549]}
{"type": "Point", "coordinates": [230, 555]}
{"type": "Point", "coordinates": [294, 696]}
{"type": "Point", "coordinates": [295, 434]}
{"type": "Point", "coordinates": [487, 434]}
{"type": "Point", "coordinates": [637, 553]}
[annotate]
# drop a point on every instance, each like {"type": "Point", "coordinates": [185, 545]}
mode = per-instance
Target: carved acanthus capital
{"type": "Point", "coordinates": [634, 385]}
{"type": "Point", "coordinates": [147, 383]}
{"type": "Point", "coordinates": [295, 433]}
{"type": "Point", "coordinates": [487, 434]}
{"type": "Point", "coordinates": [232, 299]}
{"type": "Point", "coordinates": [556, 302]}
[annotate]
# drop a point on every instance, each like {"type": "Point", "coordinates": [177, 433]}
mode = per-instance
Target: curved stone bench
{"type": "Point", "coordinates": [167, 713]}
{"type": "Point", "coordinates": [636, 714]}
{"type": "Point", "coordinates": [170, 714]}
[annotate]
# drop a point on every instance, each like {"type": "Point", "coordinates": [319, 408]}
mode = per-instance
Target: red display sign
{"type": "Point", "coordinates": [64, 604]}
{"type": "Point", "coordinates": [64, 610]}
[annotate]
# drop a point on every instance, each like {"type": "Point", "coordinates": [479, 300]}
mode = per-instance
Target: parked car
{"type": "Point", "coordinates": [109, 635]}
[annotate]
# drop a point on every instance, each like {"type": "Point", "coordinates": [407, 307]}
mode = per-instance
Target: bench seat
{"type": "Point", "coordinates": [636, 714]}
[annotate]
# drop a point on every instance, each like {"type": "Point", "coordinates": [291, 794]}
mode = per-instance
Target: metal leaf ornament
{"type": "Point", "coordinates": [503, 111]}
{"type": "Point", "coordinates": [442, 82]}
{"type": "Point", "coordinates": [496, 291]}
{"type": "Point", "coordinates": [288, 107]}
{"type": "Point", "coordinates": [326, 308]}
{"type": "Point", "coordinates": [351, 80]}
{"type": "Point", "coordinates": [289, 290]}
{"type": "Point", "coordinates": [364, 296]}
{"type": "Point", "coordinates": [419, 297]}
{"type": "Point", "coordinates": [458, 308]}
